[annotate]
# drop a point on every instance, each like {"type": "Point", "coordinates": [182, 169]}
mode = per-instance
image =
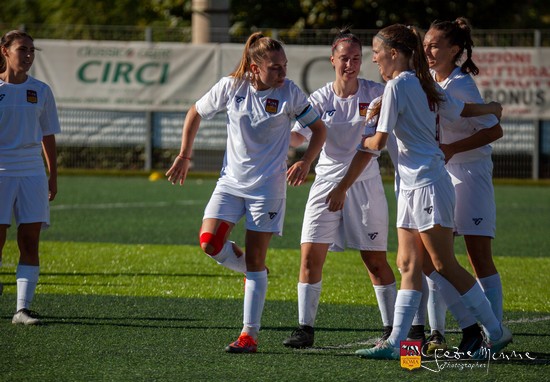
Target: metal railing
{"type": "Point", "coordinates": [482, 37]}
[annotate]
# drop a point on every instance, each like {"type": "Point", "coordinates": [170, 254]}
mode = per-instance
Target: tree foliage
{"type": "Point", "coordinates": [292, 14]}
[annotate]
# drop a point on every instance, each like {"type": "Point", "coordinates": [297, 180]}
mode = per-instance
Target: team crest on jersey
{"type": "Point", "coordinates": [272, 105]}
{"type": "Point", "coordinates": [32, 96]}
{"type": "Point", "coordinates": [363, 107]}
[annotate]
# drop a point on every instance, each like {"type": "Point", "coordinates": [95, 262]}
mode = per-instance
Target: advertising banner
{"type": "Point", "coordinates": [137, 76]}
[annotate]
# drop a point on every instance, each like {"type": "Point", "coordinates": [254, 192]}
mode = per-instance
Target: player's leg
{"type": "Point", "coordinates": [28, 269]}
{"type": "Point", "coordinates": [365, 222]}
{"type": "Point", "coordinates": [409, 262]}
{"type": "Point", "coordinates": [481, 258]}
{"type": "Point", "coordinates": [263, 219]}
{"type": "Point", "coordinates": [437, 311]}
{"type": "Point", "coordinates": [255, 291]}
{"type": "Point", "coordinates": [8, 190]}
{"type": "Point", "coordinates": [417, 331]}
{"type": "Point", "coordinates": [32, 214]}
{"type": "Point", "coordinates": [220, 215]}
{"type": "Point", "coordinates": [319, 228]}
{"type": "Point", "coordinates": [471, 293]}
{"type": "Point", "coordinates": [313, 257]}
{"type": "Point", "coordinates": [383, 282]}
{"type": "Point", "coordinates": [3, 236]}
{"type": "Point", "coordinates": [475, 219]}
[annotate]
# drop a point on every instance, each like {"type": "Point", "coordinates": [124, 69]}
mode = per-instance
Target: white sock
{"type": "Point", "coordinates": [406, 305]}
{"type": "Point", "coordinates": [492, 287]}
{"type": "Point", "coordinates": [386, 295]}
{"type": "Point", "coordinates": [437, 309]}
{"type": "Point", "coordinates": [452, 299]}
{"type": "Point", "coordinates": [308, 302]}
{"type": "Point", "coordinates": [420, 315]}
{"type": "Point", "coordinates": [228, 258]}
{"type": "Point", "coordinates": [27, 278]}
{"type": "Point", "coordinates": [254, 299]}
{"type": "Point", "coordinates": [480, 307]}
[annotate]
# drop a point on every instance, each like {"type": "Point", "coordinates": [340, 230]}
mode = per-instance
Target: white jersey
{"type": "Point", "coordinates": [345, 122]}
{"type": "Point", "coordinates": [258, 134]}
{"type": "Point", "coordinates": [27, 114]}
{"type": "Point", "coordinates": [463, 87]}
{"type": "Point", "coordinates": [406, 112]}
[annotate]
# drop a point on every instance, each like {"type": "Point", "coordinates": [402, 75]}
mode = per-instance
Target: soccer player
{"type": "Point", "coordinates": [261, 105]}
{"type": "Point", "coordinates": [27, 126]}
{"type": "Point", "coordinates": [363, 223]}
{"type": "Point", "coordinates": [409, 108]}
{"type": "Point", "coordinates": [466, 145]}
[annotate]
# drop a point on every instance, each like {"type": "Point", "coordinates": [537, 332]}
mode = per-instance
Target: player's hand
{"type": "Point", "coordinates": [497, 109]}
{"type": "Point", "coordinates": [447, 151]}
{"type": "Point", "coordinates": [178, 172]}
{"type": "Point", "coordinates": [335, 199]}
{"type": "Point", "coordinates": [52, 188]}
{"type": "Point", "coordinates": [297, 173]}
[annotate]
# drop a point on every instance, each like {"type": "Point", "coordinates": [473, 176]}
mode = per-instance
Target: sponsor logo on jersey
{"type": "Point", "coordinates": [429, 210]}
{"type": "Point", "coordinates": [330, 113]}
{"type": "Point", "coordinates": [272, 215]}
{"type": "Point", "coordinates": [239, 99]}
{"type": "Point", "coordinates": [477, 221]}
{"type": "Point", "coordinates": [272, 105]}
{"type": "Point", "coordinates": [409, 354]}
{"type": "Point", "coordinates": [32, 96]}
{"type": "Point", "coordinates": [373, 235]}
{"type": "Point", "coordinates": [363, 109]}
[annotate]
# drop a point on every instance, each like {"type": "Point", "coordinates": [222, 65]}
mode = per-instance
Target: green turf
{"type": "Point", "coordinates": [127, 295]}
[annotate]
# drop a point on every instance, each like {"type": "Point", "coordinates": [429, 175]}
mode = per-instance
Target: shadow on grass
{"type": "Point", "coordinates": [163, 338]}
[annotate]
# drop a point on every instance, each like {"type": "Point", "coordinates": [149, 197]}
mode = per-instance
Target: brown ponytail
{"type": "Point", "coordinates": [255, 51]}
{"type": "Point", "coordinates": [407, 40]}
{"type": "Point", "coordinates": [459, 33]}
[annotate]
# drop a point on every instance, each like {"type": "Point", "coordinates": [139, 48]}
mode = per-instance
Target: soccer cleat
{"type": "Point", "coordinates": [471, 340]}
{"type": "Point", "coordinates": [416, 333]}
{"type": "Point", "coordinates": [385, 335]}
{"type": "Point", "coordinates": [25, 317]}
{"type": "Point", "coordinates": [301, 337]}
{"type": "Point", "coordinates": [244, 344]}
{"type": "Point", "coordinates": [489, 347]}
{"type": "Point", "coordinates": [436, 341]}
{"type": "Point", "coordinates": [382, 351]}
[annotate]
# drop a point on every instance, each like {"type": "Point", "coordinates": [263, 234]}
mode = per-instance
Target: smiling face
{"type": "Point", "coordinates": [382, 56]}
{"type": "Point", "coordinates": [439, 52]}
{"type": "Point", "coordinates": [19, 55]}
{"type": "Point", "coordinates": [271, 72]}
{"type": "Point", "coordinates": [346, 60]}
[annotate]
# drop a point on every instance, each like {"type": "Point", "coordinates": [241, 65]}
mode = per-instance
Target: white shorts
{"type": "Point", "coordinates": [26, 198]}
{"type": "Point", "coordinates": [261, 215]}
{"type": "Point", "coordinates": [424, 207]}
{"type": "Point", "coordinates": [362, 224]}
{"type": "Point", "coordinates": [475, 210]}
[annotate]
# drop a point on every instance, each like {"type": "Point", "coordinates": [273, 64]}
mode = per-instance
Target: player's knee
{"type": "Point", "coordinates": [212, 243]}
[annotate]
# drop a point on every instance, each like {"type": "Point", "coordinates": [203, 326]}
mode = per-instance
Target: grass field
{"type": "Point", "coordinates": [127, 295]}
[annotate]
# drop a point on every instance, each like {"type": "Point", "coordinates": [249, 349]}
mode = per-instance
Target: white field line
{"type": "Point", "coordinates": [104, 206]}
